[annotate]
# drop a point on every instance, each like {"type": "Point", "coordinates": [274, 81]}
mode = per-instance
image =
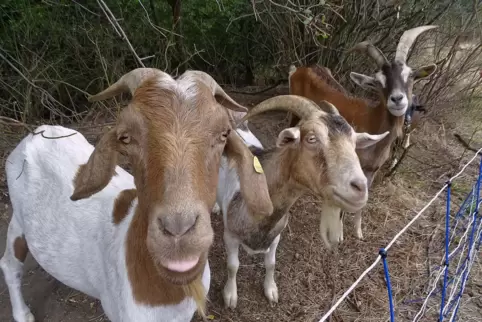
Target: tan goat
{"type": "Point", "coordinates": [315, 157]}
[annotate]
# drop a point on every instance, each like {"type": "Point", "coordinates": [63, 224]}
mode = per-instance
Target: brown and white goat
{"type": "Point", "coordinates": [393, 82]}
{"type": "Point", "coordinates": [138, 243]}
{"type": "Point", "coordinates": [315, 157]}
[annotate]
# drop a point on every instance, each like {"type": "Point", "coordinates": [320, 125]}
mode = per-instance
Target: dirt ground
{"type": "Point", "coordinates": [309, 277]}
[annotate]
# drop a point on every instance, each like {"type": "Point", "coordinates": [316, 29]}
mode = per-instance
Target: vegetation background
{"type": "Point", "coordinates": [53, 53]}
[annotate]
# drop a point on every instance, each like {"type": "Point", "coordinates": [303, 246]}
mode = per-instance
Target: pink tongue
{"type": "Point", "coordinates": [182, 266]}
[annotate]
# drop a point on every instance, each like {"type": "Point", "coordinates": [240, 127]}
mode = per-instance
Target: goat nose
{"type": "Point", "coordinates": [359, 185]}
{"type": "Point", "coordinates": [177, 224]}
{"type": "Point", "coordinates": [396, 98]}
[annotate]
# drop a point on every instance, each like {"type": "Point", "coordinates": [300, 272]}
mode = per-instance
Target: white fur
{"type": "Point", "coordinates": [406, 71]}
{"type": "Point", "coordinates": [381, 78]}
{"type": "Point", "coordinates": [399, 108]}
{"type": "Point", "coordinates": [331, 225]}
{"type": "Point", "coordinates": [76, 242]}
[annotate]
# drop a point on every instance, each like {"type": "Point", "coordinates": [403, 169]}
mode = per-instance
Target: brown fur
{"type": "Point", "coordinates": [174, 143]}
{"type": "Point", "coordinates": [20, 248]}
{"type": "Point", "coordinates": [122, 204]}
{"type": "Point", "coordinates": [148, 285]}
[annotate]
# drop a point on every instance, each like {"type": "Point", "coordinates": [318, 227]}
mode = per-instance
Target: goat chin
{"type": "Point", "coordinates": [331, 225]}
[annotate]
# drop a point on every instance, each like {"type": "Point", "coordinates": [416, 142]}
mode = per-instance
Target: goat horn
{"type": "Point", "coordinates": [216, 90]}
{"type": "Point", "coordinates": [298, 105]}
{"type": "Point", "coordinates": [407, 40]}
{"type": "Point", "coordinates": [372, 51]}
{"type": "Point", "coordinates": [128, 82]}
{"type": "Point", "coordinates": [328, 107]}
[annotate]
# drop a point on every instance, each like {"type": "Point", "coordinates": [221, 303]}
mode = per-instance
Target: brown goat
{"type": "Point", "coordinates": [138, 243]}
{"type": "Point", "coordinates": [393, 83]}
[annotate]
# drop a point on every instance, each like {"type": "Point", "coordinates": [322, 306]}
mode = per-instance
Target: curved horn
{"type": "Point", "coordinates": [128, 82]}
{"type": "Point", "coordinates": [372, 51]}
{"type": "Point", "coordinates": [216, 90]}
{"type": "Point", "coordinates": [328, 107]}
{"type": "Point", "coordinates": [300, 106]}
{"type": "Point", "coordinates": [407, 40]}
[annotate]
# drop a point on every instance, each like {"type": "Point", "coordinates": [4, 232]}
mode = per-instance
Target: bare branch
{"type": "Point", "coordinates": [117, 27]}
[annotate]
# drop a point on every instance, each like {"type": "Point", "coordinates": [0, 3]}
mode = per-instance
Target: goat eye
{"type": "Point", "coordinates": [125, 139]}
{"type": "Point", "coordinates": [311, 139]}
{"type": "Point", "coordinates": [226, 134]}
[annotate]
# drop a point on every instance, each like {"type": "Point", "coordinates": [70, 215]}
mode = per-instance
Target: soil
{"type": "Point", "coordinates": [309, 277]}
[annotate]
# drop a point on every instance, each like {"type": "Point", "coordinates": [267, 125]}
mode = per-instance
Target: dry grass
{"type": "Point", "coordinates": [309, 277]}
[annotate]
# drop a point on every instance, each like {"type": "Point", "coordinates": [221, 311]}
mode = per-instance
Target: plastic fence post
{"type": "Point", "coordinates": [471, 241]}
{"type": "Point", "coordinates": [446, 263]}
{"type": "Point", "coordinates": [383, 254]}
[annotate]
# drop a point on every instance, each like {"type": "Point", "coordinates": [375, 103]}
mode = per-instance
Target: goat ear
{"type": "Point", "coordinates": [93, 176]}
{"type": "Point", "coordinates": [364, 81]}
{"type": "Point", "coordinates": [253, 185]}
{"type": "Point", "coordinates": [288, 136]}
{"type": "Point", "coordinates": [424, 71]}
{"type": "Point", "coordinates": [365, 140]}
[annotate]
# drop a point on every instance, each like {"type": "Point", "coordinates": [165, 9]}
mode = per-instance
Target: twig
{"type": "Point", "coordinates": [85, 8]}
{"type": "Point", "coordinates": [115, 24]}
{"type": "Point", "coordinates": [53, 137]}
{"type": "Point", "coordinates": [465, 143]}
{"type": "Point", "coordinates": [13, 122]}
{"type": "Point", "coordinates": [279, 82]}
{"type": "Point", "coordinates": [395, 167]}
{"type": "Point", "coordinates": [23, 165]}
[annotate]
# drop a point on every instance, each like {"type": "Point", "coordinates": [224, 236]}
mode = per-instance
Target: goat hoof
{"type": "Point", "coordinates": [216, 209]}
{"type": "Point", "coordinates": [25, 317]}
{"type": "Point", "coordinates": [271, 292]}
{"type": "Point", "coordinates": [230, 297]}
{"type": "Point", "coordinates": [29, 317]}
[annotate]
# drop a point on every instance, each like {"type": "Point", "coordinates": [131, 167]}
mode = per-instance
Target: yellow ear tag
{"type": "Point", "coordinates": [257, 166]}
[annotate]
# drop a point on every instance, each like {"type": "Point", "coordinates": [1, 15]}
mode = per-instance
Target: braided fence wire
{"type": "Point", "coordinates": [447, 281]}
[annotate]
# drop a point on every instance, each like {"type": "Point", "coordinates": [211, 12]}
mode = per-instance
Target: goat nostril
{"type": "Point", "coordinates": [163, 227]}
{"type": "Point", "coordinates": [358, 185]}
{"type": "Point", "coordinates": [396, 98]}
{"type": "Point", "coordinates": [177, 225]}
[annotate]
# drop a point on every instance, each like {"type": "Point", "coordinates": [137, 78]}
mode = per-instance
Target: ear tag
{"type": "Point", "coordinates": [257, 166]}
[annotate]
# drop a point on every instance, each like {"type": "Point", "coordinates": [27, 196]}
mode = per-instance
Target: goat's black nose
{"type": "Point", "coordinates": [396, 98]}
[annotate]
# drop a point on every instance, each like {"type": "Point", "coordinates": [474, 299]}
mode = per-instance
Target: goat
{"type": "Point", "coordinates": [139, 242]}
{"type": "Point", "coordinates": [317, 156]}
{"type": "Point", "coordinates": [393, 82]}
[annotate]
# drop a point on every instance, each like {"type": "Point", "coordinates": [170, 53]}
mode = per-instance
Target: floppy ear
{"type": "Point", "coordinates": [253, 185]}
{"type": "Point", "coordinates": [365, 140]}
{"type": "Point", "coordinates": [93, 176]}
{"type": "Point", "coordinates": [364, 81]}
